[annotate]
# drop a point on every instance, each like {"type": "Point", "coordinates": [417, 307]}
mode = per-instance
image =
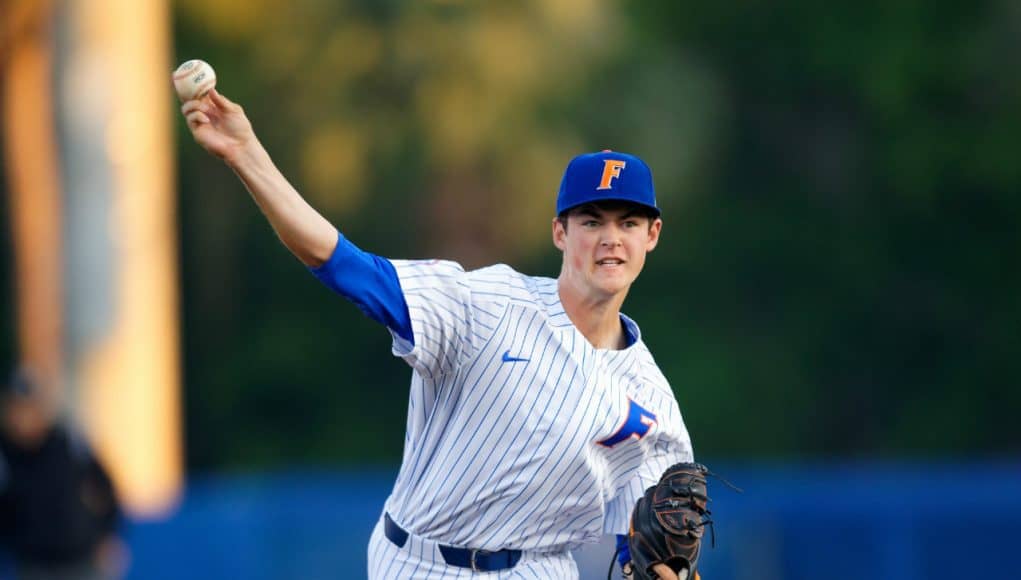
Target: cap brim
{"type": "Point", "coordinates": [655, 210]}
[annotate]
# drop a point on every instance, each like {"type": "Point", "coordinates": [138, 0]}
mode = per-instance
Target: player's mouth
{"type": "Point", "coordinates": [610, 262]}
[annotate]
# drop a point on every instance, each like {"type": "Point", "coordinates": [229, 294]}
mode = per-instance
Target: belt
{"type": "Point", "coordinates": [477, 560]}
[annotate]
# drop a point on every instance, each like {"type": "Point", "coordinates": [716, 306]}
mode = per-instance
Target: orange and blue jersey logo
{"type": "Point", "coordinates": [639, 421]}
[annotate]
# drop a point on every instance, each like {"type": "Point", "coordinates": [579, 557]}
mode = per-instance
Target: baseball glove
{"type": "Point", "coordinates": [668, 522]}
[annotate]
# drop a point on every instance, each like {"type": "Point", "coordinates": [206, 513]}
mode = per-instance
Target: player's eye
{"type": "Point", "coordinates": [590, 223]}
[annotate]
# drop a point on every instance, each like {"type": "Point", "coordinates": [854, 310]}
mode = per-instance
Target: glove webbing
{"type": "Point", "coordinates": [706, 521]}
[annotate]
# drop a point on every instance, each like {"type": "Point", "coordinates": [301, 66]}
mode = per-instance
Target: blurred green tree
{"type": "Point", "coordinates": [837, 181]}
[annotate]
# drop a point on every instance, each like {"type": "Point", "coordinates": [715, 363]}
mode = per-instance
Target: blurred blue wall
{"type": "Point", "coordinates": [834, 522]}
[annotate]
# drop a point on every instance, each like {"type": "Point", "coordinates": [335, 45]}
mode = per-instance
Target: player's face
{"type": "Point", "coordinates": [605, 246]}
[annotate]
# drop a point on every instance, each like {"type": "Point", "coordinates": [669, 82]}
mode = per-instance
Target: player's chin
{"type": "Point", "coordinates": [613, 282]}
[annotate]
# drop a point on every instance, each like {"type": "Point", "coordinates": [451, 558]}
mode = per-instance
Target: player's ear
{"type": "Point", "coordinates": [559, 234]}
{"type": "Point", "coordinates": [654, 229]}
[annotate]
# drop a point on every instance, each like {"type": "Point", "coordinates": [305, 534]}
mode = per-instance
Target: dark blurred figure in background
{"type": "Point", "coordinates": [58, 511]}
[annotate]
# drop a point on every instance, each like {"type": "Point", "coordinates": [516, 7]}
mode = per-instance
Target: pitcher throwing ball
{"type": "Point", "coordinates": [537, 416]}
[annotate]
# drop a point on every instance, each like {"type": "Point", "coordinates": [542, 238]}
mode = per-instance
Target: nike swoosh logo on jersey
{"type": "Point", "coordinates": [508, 358]}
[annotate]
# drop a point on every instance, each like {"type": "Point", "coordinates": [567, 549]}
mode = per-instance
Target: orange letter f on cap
{"type": "Point", "coordinates": [611, 169]}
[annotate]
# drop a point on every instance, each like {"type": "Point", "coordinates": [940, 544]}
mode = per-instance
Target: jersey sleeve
{"type": "Point", "coordinates": [369, 282]}
{"type": "Point", "coordinates": [439, 302]}
{"type": "Point", "coordinates": [669, 445]}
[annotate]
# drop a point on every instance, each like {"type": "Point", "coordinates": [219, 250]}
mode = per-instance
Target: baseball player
{"type": "Point", "coordinates": [537, 416]}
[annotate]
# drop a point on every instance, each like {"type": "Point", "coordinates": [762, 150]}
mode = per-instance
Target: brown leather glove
{"type": "Point", "coordinates": [668, 522]}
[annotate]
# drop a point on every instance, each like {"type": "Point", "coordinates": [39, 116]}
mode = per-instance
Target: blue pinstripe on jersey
{"type": "Point", "coordinates": [506, 408]}
{"type": "Point", "coordinates": [505, 454]}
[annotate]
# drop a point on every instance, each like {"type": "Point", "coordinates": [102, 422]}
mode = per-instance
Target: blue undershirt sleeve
{"type": "Point", "coordinates": [370, 282]}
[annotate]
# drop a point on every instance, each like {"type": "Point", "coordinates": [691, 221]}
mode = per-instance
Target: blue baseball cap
{"type": "Point", "coordinates": [607, 175]}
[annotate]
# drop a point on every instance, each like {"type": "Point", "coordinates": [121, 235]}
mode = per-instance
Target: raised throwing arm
{"type": "Point", "coordinates": [221, 127]}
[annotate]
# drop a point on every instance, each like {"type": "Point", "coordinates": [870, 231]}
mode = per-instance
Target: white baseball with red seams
{"type": "Point", "coordinates": [193, 79]}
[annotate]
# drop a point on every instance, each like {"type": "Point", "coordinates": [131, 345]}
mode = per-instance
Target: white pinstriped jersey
{"type": "Point", "coordinates": [520, 433]}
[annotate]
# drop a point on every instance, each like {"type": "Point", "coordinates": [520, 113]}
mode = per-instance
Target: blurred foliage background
{"type": "Point", "coordinates": [838, 272]}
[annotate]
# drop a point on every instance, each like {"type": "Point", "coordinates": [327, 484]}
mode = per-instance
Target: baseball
{"type": "Point", "coordinates": [193, 79]}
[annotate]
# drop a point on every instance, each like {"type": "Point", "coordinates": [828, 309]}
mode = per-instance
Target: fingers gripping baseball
{"type": "Point", "coordinates": [218, 124]}
{"type": "Point", "coordinates": [195, 117]}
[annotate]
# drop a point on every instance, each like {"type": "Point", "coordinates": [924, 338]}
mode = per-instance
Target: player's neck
{"type": "Point", "coordinates": [596, 317]}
